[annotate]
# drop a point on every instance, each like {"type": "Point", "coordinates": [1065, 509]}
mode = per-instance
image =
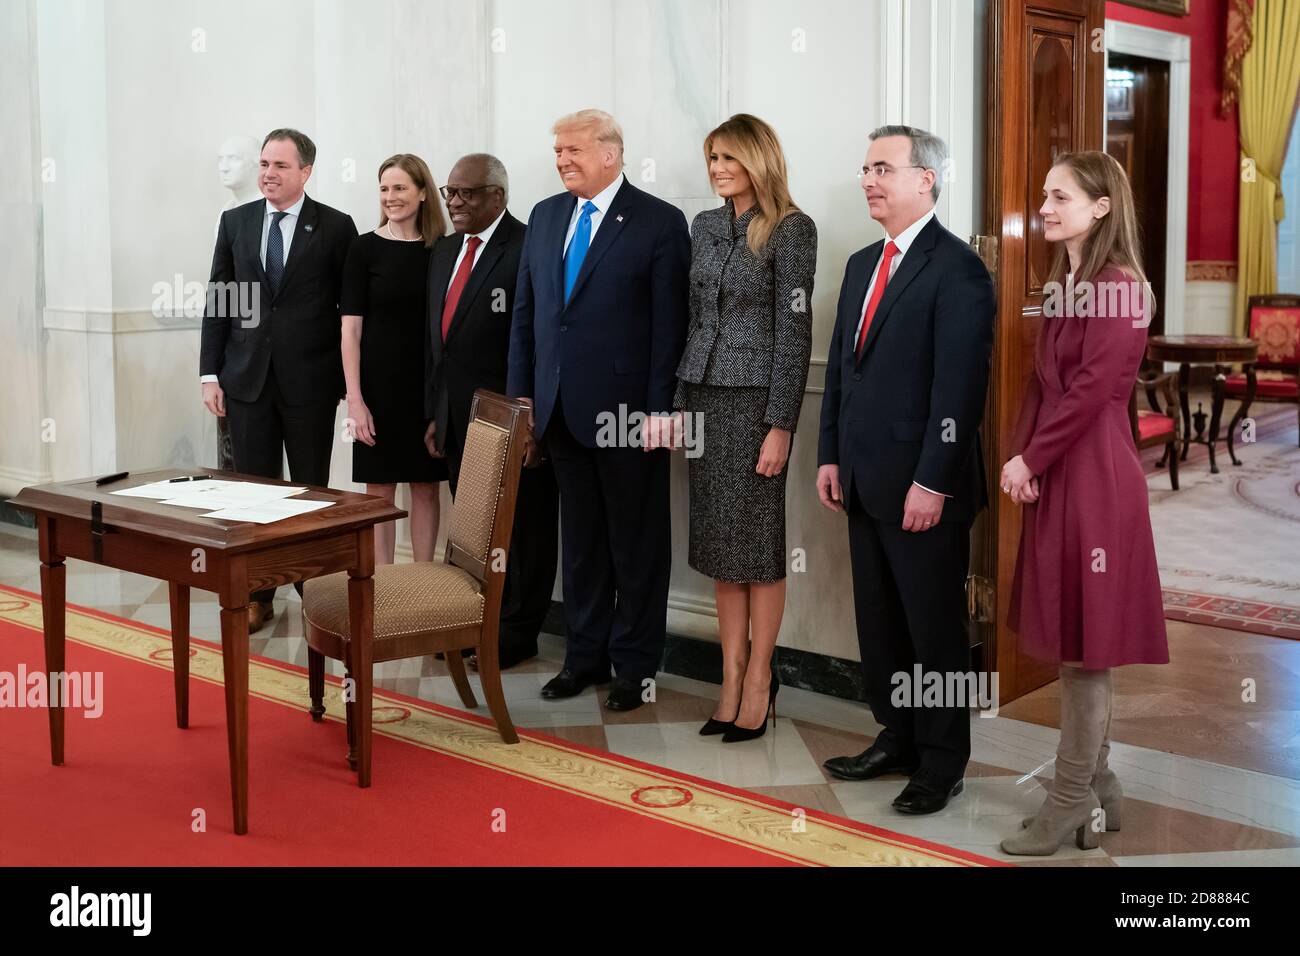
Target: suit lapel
{"type": "Point", "coordinates": [487, 261]}
{"type": "Point", "coordinates": [611, 227]}
{"type": "Point", "coordinates": [304, 232]}
{"type": "Point", "coordinates": [850, 341]}
{"type": "Point", "coordinates": [558, 230]}
{"type": "Point", "coordinates": [913, 262]}
{"type": "Point", "coordinates": [250, 238]}
{"type": "Point", "coordinates": [440, 266]}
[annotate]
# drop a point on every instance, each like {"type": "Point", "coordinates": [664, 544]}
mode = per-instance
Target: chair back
{"type": "Point", "coordinates": [483, 513]}
{"type": "Point", "coordinates": [1275, 325]}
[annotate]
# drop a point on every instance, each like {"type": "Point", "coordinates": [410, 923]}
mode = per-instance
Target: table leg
{"type": "Point", "coordinates": [234, 658]}
{"type": "Point", "coordinates": [53, 595]}
{"type": "Point", "coordinates": [179, 597]}
{"type": "Point", "coordinates": [1243, 411]}
{"type": "Point", "coordinates": [1216, 413]}
{"type": "Point", "coordinates": [1184, 378]}
{"type": "Point", "coordinates": [361, 616]}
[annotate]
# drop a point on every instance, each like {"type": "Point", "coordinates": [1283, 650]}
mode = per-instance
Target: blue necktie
{"type": "Point", "coordinates": [275, 252]}
{"type": "Point", "coordinates": [577, 249]}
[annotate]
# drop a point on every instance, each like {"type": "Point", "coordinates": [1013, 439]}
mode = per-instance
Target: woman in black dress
{"type": "Point", "coordinates": [384, 311]}
{"type": "Point", "coordinates": [742, 375]}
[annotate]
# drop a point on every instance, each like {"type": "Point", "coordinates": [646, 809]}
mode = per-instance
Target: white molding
{"type": "Point", "coordinates": [1211, 305]}
{"type": "Point", "coordinates": [723, 91]}
{"type": "Point", "coordinates": [115, 321]}
{"type": "Point", "coordinates": [1176, 49]}
{"type": "Point", "coordinates": [894, 57]}
{"type": "Point", "coordinates": [14, 480]}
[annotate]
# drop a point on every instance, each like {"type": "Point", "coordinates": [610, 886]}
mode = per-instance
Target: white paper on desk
{"type": "Point", "coordinates": [229, 495]}
{"type": "Point", "coordinates": [155, 489]}
{"type": "Point", "coordinates": [267, 511]}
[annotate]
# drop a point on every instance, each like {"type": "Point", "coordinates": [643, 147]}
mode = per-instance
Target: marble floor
{"type": "Point", "coordinates": [1209, 781]}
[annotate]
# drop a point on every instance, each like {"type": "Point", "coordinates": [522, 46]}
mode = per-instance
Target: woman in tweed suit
{"type": "Point", "coordinates": [743, 373]}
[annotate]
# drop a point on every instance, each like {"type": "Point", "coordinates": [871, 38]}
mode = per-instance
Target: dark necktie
{"type": "Point", "coordinates": [458, 283]}
{"type": "Point", "coordinates": [275, 252]}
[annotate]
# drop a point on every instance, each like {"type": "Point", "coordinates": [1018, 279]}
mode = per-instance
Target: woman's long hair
{"type": "Point", "coordinates": [756, 145]}
{"type": "Point", "coordinates": [429, 219]}
{"type": "Point", "coordinates": [1112, 239]}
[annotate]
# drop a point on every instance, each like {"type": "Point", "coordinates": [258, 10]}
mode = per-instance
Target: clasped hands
{"type": "Point", "coordinates": [1018, 482]}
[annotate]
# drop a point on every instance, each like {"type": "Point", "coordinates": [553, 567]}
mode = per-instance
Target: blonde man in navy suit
{"type": "Point", "coordinates": [599, 325]}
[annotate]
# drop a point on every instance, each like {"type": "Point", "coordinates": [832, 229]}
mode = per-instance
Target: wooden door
{"type": "Point", "coordinates": [1046, 76]}
{"type": "Point", "coordinates": [1137, 135]}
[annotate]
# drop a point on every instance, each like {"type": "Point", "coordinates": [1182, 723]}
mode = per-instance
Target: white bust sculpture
{"type": "Point", "coordinates": [237, 166]}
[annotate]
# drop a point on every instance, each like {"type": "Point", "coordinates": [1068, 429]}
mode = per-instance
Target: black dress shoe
{"type": "Point", "coordinates": [625, 694]}
{"type": "Point", "coordinates": [926, 796]}
{"type": "Point", "coordinates": [568, 683]}
{"type": "Point", "coordinates": [871, 763]}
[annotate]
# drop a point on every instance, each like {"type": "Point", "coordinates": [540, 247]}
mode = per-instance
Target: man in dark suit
{"type": "Point", "coordinates": [900, 451]}
{"type": "Point", "coordinates": [599, 325]}
{"type": "Point", "coordinates": [274, 367]}
{"type": "Point", "coordinates": [472, 278]}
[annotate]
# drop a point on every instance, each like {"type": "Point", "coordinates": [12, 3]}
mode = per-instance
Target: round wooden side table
{"type": "Point", "coordinates": [1220, 351]}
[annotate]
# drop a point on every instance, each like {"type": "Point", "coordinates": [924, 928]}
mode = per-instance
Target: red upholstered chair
{"type": "Point", "coordinates": [1157, 426]}
{"type": "Point", "coordinates": [1275, 325]}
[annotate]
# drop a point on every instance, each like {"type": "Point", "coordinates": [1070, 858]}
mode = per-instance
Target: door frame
{"type": "Point", "coordinates": [1176, 50]}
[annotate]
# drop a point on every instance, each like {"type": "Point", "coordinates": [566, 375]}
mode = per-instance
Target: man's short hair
{"type": "Point", "coordinates": [603, 126]}
{"type": "Point", "coordinates": [494, 171]}
{"type": "Point", "coordinates": [301, 141]}
{"type": "Point", "coordinates": [928, 150]}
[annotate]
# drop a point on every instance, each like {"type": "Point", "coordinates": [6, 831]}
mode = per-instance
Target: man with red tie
{"type": "Point", "coordinates": [899, 451]}
{"type": "Point", "coordinates": [472, 278]}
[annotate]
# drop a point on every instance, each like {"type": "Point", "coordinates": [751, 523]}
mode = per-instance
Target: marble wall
{"type": "Point", "coordinates": [130, 101]}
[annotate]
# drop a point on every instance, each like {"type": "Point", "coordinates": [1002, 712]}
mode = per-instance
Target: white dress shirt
{"type": "Point", "coordinates": [485, 236]}
{"type": "Point", "coordinates": [904, 242]}
{"type": "Point", "coordinates": [287, 226]}
{"type": "Point", "coordinates": [602, 202]}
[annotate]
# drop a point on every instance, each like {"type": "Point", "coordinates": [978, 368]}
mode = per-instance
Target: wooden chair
{"type": "Point", "coordinates": [1157, 426]}
{"type": "Point", "coordinates": [1275, 324]}
{"type": "Point", "coordinates": [427, 607]}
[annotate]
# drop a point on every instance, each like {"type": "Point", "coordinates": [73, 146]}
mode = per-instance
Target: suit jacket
{"type": "Point", "coordinates": [618, 339]}
{"type": "Point", "coordinates": [296, 330]}
{"type": "Point", "coordinates": [751, 318]}
{"type": "Point", "coordinates": [910, 408]}
{"type": "Point", "coordinates": [478, 342]}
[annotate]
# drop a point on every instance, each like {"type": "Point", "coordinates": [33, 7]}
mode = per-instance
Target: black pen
{"type": "Point", "coordinates": [173, 481]}
{"type": "Point", "coordinates": [109, 479]}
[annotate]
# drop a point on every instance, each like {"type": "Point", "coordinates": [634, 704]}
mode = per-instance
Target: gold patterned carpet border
{"type": "Point", "coordinates": [794, 835]}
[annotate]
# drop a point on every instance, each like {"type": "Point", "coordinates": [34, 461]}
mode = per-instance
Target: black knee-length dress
{"type": "Point", "coordinates": [385, 281]}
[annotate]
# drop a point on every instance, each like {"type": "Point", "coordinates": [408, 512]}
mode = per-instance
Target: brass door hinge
{"type": "Point", "coordinates": [979, 599]}
{"type": "Point", "coordinates": [986, 247]}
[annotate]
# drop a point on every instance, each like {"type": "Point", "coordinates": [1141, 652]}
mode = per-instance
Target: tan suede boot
{"type": "Point", "coordinates": [1104, 782]}
{"type": "Point", "coordinates": [1071, 805]}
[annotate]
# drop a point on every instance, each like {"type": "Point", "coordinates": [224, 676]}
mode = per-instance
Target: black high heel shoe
{"type": "Point", "coordinates": [737, 734]}
{"type": "Point", "coordinates": [712, 727]}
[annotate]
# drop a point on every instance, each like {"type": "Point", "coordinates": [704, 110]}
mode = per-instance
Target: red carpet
{"type": "Point", "coordinates": [132, 782]}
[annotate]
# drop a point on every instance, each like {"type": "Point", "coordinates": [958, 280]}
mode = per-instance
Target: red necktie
{"type": "Point", "coordinates": [878, 293]}
{"type": "Point", "coordinates": [458, 283]}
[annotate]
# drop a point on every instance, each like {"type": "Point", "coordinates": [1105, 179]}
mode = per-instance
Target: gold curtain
{"type": "Point", "coordinates": [1270, 78]}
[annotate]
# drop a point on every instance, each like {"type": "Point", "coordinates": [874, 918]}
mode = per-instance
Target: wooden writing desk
{"type": "Point", "coordinates": [230, 558]}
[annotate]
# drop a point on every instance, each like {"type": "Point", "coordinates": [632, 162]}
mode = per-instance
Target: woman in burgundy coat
{"type": "Point", "coordinates": [1087, 589]}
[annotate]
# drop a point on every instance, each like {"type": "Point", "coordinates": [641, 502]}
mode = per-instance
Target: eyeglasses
{"type": "Point", "coordinates": [881, 170]}
{"type": "Point", "coordinates": [466, 193]}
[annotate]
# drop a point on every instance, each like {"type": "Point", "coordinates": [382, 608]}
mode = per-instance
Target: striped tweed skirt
{"type": "Point", "coordinates": [737, 526]}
